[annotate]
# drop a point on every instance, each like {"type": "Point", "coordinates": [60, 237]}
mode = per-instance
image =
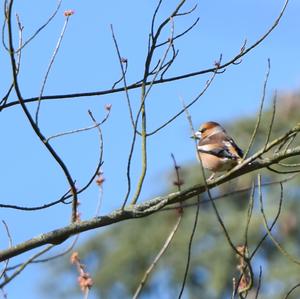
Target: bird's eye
{"type": "Point", "coordinates": [202, 130]}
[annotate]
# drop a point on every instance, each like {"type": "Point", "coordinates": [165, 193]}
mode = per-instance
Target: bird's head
{"type": "Point", "coordinates": [207, 129]}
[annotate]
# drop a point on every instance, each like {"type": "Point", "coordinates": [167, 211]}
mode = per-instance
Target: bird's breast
{"type": "Point", "coordinates": [216, 164]}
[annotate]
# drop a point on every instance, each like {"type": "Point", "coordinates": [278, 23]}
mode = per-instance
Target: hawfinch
{"type": "Point", "coordinates": [217, 150]}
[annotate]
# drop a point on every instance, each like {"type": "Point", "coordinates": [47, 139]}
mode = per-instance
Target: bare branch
{"type": "Point", "coordinates": [292, 290]}
{"type": "Point", "coordinates": [181, 34]}
{"type": "Point", "coordinates": [157, 258]}
{"type": "Point", "coordinates": [259, 283]}
{"type": "Point", "coordinates": [208, 83]}
{"type": "Point", "coordinates": [29, 117]}
{"type": "Point", "coordinates": [230, 194]}
{"type": "Point", "coordinates": [48, 259]}
{"type": "Point", "coordinates": [276, 243]}
{"type": "Point", "coordinates": [272, 119]}
{"type": "Point", "coordinates": [153, 19]}
{"type": "Point", "coordinates": [95, 125]}
{"type": "Point", "coordinates": [49, 67]}
{"type": "Point", "coordinates": [259, 116]}
{"type": "Point", "coordinates": [123, 61]}
{"type": "Point", "coordinates": [99, 180]}
{"type": "Point", "coordinates": [187, 266]}
{"type": "Point", "coordinates": [18, 63]}
{"type": "Point", "coordinates": [249, 215]}
{"type": "Point", "coordinates": [42, 27]}
{"type": "Point", "coordinates": [9, 245]}
{"type": "Point", "coordinates": [24, 265]}
{"type": "Point", "coordinates": [170, 79]}
{"type": "Point", "coordinates": [187, 12]}
{"type": "Point", "coordinates": [146, 208]}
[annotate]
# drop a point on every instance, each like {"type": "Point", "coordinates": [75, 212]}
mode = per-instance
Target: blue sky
{"type": "Point", "coordinates": [87, 61]}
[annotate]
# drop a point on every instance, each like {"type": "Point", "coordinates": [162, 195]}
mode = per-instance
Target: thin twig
{"type": "Point", "coordinates": [272, 119]}
{"type": "Point", "coordinates": [24, 265]}
{"type": "Point", "coordinates": [207, 84]}
{"type": "Point", "coordinates": [259, 283]}
{"type": "Point", "coordinates": [101, 159]}
{"type": "Point", "coordinates": [36, 32]}
{"type": "Point", "coordinates": [282, 171]}
{"type": "Point", "coordinates": [142, 112]}
{"type": "Point", "coordinates": [10, 243]}
{"type": "Point", "coordinates": [167, 242]}
{"type": "Point", "coordinates": [178, 183]}
{"type": "Point", "coordinates": [18, 63]}
{"type": "Point", "coordinates": [48, 259]}
{"type": "Point", "coordinates": [95, 125]}
{"type": "Point", "coordinates": [153, 19]}
{"type": "Point", "coordinates": [249, 215]}
{"type": "Point", "coordinates": [292, 290]}
{"type": "Point", "coordinates": [157, 258]}
{"type": "Point", "coordinates": [168, 64]}
{"type": "Point", "coordinates": [272, 225]}
{"type": "Point", "coordinates": [289, 165]}
{"type": "Point", "coordinates": [187, 12]}
{"type": "Point", "coordinates": [187, 266]}
{"type": "Point", "coordinates": [231, 193]}
{"type": "Point", "coordinates": [121, 62]}
{"type": "Point", "coordinates": [125, 62]}
{"type": "Point", "coordinates": [286, 143]}
{"type": "Point", "coordinates": [49, 68]}
{"type": "Point", "coordinates": [142, 109]}
{"type": "Point", "coordinates": [42, 27]}
{"type": "Point", "coordinates": [270, 234]}
{"type": "Point", "coordinates": [259, 116]}
{"type": "Point", "coordinates": [181, 34]}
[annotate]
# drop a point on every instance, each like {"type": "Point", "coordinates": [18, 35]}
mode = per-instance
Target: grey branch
{"type": "Point", "coordinates": [153, 205]}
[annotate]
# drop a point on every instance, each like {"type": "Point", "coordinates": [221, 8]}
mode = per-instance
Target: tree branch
{"type": "Point", "coordinates": [138, 84]}
{"type": "Point", "coordinates": [149, 207]}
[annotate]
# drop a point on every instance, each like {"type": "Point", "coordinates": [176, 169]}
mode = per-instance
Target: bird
{"type": "Point", "coordinates": [216, 149]}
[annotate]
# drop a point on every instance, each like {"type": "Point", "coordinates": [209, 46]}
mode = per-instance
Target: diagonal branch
{"type": "Point", "coordinates": [153, 205]}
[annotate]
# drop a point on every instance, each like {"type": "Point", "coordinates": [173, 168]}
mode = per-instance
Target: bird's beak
{"type": "Point", "coordinates": [197, 135]}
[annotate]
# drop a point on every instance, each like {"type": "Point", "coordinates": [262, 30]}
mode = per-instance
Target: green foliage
{"type": "Point", "coordinates": [118, 257]}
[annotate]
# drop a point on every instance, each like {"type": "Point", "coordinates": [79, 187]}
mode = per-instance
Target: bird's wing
{"type": "Point", "coordinates": [233, 147]}
{"type": "Point", "coordinates": [223, 141]}
{"type": "Point", "coordinates": [217, 150]}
